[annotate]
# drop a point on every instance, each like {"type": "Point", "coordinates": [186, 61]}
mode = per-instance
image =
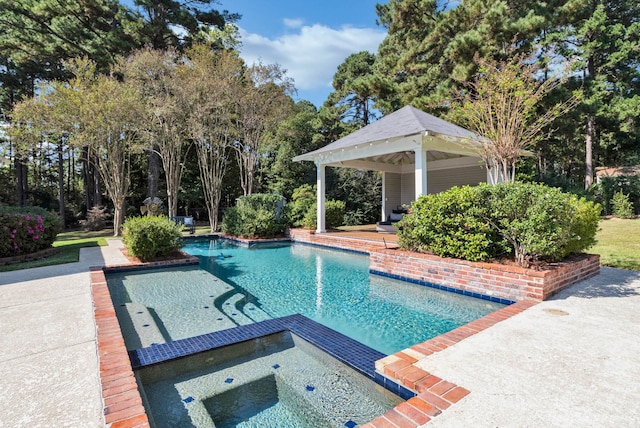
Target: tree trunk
{"type": "Point", "coordinates": [61, 185]}
{"type": "Point", "coordinates": [591, 128]}
{"type": "Point", "coordinates": [153, 174]}
{"type": "Point", "coordinates": [22, 188]}
{"type": "Point", "coordinates": [97, 187]}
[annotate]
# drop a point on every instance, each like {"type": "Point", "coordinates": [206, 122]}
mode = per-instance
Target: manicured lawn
{"type": "Point", "coordinates": [618, 243]}
{"type": "Point", "coordinates": [69, 244]}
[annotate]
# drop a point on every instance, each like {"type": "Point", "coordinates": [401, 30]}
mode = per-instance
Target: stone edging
{"type": "Point", "coordinates": [29, 257]}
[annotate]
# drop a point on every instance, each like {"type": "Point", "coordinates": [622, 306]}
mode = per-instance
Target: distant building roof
{"type": "Point", "coordinates": [617, 171]}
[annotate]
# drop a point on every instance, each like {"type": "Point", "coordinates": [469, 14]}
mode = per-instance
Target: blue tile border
{"type": "Point", "coordinates": [191, 261]}
{"type": "Point", "coordinates": [443, 287]}
{"type": "Point", "coordinates": [346, 350]}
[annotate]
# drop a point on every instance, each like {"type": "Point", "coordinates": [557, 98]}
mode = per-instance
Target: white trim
{"type": "Point", "coordinates": [320, 183]}
{"type": "Point", "coordinates": [421, 172]}
{"type": "Point", "coordinates": [384, 196]}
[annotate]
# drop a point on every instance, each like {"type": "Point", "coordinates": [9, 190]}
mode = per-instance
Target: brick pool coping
{"type": "Point", "coordinates": [123, 404]}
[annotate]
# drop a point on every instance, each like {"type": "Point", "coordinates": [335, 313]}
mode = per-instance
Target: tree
{"type": "Point", "coordinates": [97, 112]}
{"type": "Point", "coordinates": [293, 136]}
{"type": "Point", "coordinates": [353, 88]}
{"type": "Point", "coordinates": [501, 107]}
{"type": "Point", "coordinates": [600, 38]}
{"type": "Point", "coordinates": [211, 82]}
{"type": "Point", "coordinates": [261, 105]}
{"type": "Point", "coordinates": [39, 35]}
{"type": "Point", "coordinates": [430, 47]}
{"type": "Point", "coordinates": [154, 75]}
{"type": "Point", "coordinates": [178, 23]}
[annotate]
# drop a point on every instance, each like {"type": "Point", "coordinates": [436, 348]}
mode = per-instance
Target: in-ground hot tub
{"type": "Point", "coordinates": [270, 381]}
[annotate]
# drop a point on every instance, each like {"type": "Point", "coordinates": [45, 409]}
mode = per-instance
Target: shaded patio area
{"type": "Point", "coordinates": [366, 232]}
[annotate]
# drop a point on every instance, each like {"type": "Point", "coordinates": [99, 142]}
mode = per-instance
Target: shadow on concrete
{"type": "Point", "coordinates": [91, 256]}
{"type": "Point", "coordinates": [610, 283]}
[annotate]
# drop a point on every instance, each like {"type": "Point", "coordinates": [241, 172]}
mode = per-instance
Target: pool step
{"type": "Point", "coordinates": [255, 313]}
{"type": "Point", "coordinates": [134, 317]}
{"type": "Point", "coordinates": [230, 309]}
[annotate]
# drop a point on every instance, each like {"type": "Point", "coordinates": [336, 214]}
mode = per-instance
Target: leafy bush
{"type": "Point", "coordinates": [303, 209]}
{"type": "Point", "coordinates": [96, 219]}
{"type": "Point", "coordinates": [605, 191]}
{"type": "Point", "coordinates": [444, 224]}
{"type": "Point", "coordinates": [333, 215]}
{"type": "Point", "coordinates": [622, 206]}
{"type": "Point", "coordinates": [25, 230]}
{"type": "Point", "coordinates": [148, 237]}
{"type": "Point", "coordinates": [532, 221]}
{"type": "Point", "coordinates": [303, 200]}
{"type": "Point", "coordinates": [584, 225]}
{"type": "Point", "coordinates": [256, 216]}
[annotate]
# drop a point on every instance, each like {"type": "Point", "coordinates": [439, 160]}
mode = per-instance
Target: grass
{"type": "Point", "coordinates": [68, 244]}
{"type": "Point", "coordinates": [618, 243]}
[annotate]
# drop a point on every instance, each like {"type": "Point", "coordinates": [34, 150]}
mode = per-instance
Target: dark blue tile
{"type": "Point", "coordinates": [276, 366]}
{"type": "Point", "coordinates": [189, 399]}
{"type": "Point", "coordinates": [350, 424]}
{"type": "Point", "coordinates": [310, 388]}
{"type": "Point", "coordinates": [228, 380]}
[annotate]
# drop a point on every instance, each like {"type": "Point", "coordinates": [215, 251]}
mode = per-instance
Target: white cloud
{"type": "Point", "coordinates": [293, 23]}
{"type": "Point", "coordinates": [312, 55]}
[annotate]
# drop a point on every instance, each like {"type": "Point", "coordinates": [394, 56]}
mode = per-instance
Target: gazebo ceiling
{"type": "Point", "coordinates": [408, 157]}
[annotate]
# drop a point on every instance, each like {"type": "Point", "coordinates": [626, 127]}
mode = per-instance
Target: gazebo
{"type": "Point", "coordinates": [416, 152]}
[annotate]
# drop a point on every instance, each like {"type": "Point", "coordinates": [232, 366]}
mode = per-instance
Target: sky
{"type": "Point", "coordinates": [308, 38]}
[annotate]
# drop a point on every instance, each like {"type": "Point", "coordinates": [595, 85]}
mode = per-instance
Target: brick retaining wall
{"type": "Point", "coordinates": [506, 282]}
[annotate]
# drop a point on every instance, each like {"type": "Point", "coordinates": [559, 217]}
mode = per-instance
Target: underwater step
{"type": "Point", "coordinates": [230, 309]}
{"type": "Point", "coordinates": [255, 313]}
{"type": "Point", "coordinates": [138, 326]}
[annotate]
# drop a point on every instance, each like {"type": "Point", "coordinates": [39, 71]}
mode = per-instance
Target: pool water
{"type": "Point", "coordinates": [274, 381]}
{"type": "Point", "coordinates": [236, 285]}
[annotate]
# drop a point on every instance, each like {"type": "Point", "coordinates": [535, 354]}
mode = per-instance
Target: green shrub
{"type": "Point", "coordinates": [256, 216]}
{"type": "Point", "coordinates": [148, 237]}
{"type": "Point", "coordinates": [444, 224]}
{"type": "Point", "coordinates": [532, 221]}
{"type": "Point", "coordinates": [584, 225]}
{"type": "Point", "coordinates": [25, 230]}
{"type": "Point", "coordinates": [96, 219]}
{"type": "Point", "coordinates": [303, 200]}
{"type": "Point", "coordinates": [622, 206]}
{"type": "Point", "coordinates": [605, 191]}
{"type": "Point", "coordinates": [303, 209]}
{"type": "Point", "coordinates": [333, 215]}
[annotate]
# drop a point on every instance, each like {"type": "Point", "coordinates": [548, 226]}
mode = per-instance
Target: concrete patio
{"type": "Point", "coordinates": [573, 360]}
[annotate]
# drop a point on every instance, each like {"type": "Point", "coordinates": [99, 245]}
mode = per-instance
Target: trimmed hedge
{"type": "Point", "coordinates": [153, 236]}
{"type": "Point", "coordinates": [303, 211]}
{"type": "Point", "coordinates": [260, 215]}
{"type": "Point", "coordinates": [529, 221]}
{"type": "Point", "coordinates": [25, 230]}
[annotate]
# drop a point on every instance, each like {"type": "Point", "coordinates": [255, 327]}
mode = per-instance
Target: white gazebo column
{"type": "Point", "coordinates": [421, 172]}
{"type": "Point", "coordinates": [320, 184]}
{"type": "Point", "coordinates": [384, 197]}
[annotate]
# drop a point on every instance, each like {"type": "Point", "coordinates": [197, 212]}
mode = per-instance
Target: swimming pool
{"type": "Point", "coordinates": [235, 285]}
